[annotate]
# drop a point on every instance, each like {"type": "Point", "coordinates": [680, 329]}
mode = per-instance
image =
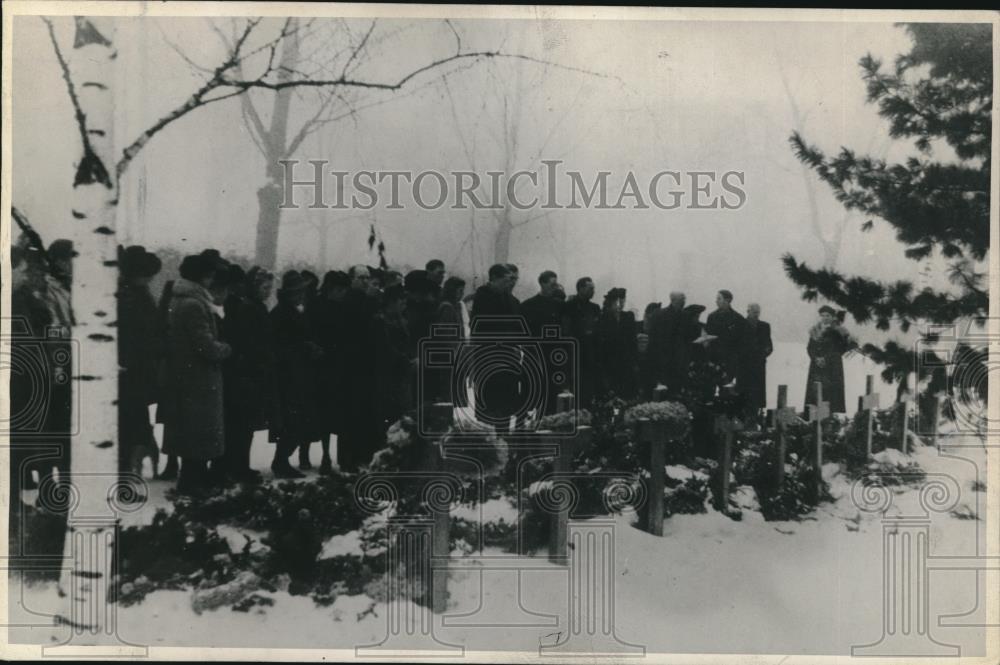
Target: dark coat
{"type": "Point", "coordinates": [294, 417]}
{"type": "Point", "coordinates": [495, 313]}
{"type": "Point", "coordinates": [193, 397]}
{"type": "Point", "coordinates": [140, 342]}
{"type": "Point", "coordinates": [670, 337]}
{"type": "Point", "coordinates": [730, 328]}
{"type": "Point", "coordinates": [420, 316]}
{"type": "Point", "coordinates": [249, 372]}
{"type": "Point", "coordinates": [539, 311]}
{"type": "Point", "coordinates": [140, 348]}
{"type": "Point", "coordinates": [488, 304]}
{"type": "Point", "coordinates": [580, 319]}
{"type": "Point", "coordinates": [753, 382]}
{"type": "Point", "coordinates": [827, 347]}
{"type": "Point", "coordinates": [393, 368]}
{"type": "Point", "coordinates": [361, 431]}
{"type": "Point", "coordinates": [618, 355]}
{"type": "Point", "coordinates": [330, 332]}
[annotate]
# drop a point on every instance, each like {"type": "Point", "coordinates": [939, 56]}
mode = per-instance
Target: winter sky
{"type": "Point", "coordinates": [656, 95]}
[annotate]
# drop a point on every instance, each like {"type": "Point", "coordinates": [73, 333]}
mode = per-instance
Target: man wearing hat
{"type": "Point", "coordinates": [140, 348]}
{"type": "Point", "coordinates": [295, 424]}
{"type": "Point", "coordinates": [194, 427]}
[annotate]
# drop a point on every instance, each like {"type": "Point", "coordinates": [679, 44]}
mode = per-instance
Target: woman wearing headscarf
{"type": "Point", "coordinates": [617, 347]}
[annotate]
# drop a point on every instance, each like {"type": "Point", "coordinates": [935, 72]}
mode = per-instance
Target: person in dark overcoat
{"type": "Point", "coordinates": [140, 348]}
{"type": "Point", "coordinates": [249, 371]}
{"type": "Point", "coordinates": [672, 331]}
{"type": "Point", "coordinates": [422, 296]}
{"type": "Point", "coordinates": [29, 323]}
{"type": "Point", "coordinates": [330, 325]}
{"type": "Point", "coordinates": [57, 284]}
{"type": "Point", "coordinates": [580, 318]}
{"type": "Point", "coordinates": [544, 310]}
{"type": "Point", "coordinates": [647, 369]}
{"type": "Point", "coordinates": [758, 348]}
{"type": "Point", "coordinates": [194, 427]}
{"type": "Point", "coordinates": [828, 342]}
{"type": "Point", "coordinates": [729, 328]}
{"type": "Point", "coordinates": [617, 348]}
{"type": "Point", "coordinates": [169, 471]}
{"type": "Point", "coordinates": [356, 443]}
{"type": "Point", "coordinates": [295, 420]}
{"type": "Point", "coordinates": [495, 314]}
{"type": "Point", "coordinates": [394, 362]}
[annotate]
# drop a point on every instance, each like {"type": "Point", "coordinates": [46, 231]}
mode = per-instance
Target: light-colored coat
{"type": "Point", "coordinates": [193, 420]}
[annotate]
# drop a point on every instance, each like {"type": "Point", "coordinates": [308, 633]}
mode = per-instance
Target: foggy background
{"type": "Point", "coordinates": [655, 96]}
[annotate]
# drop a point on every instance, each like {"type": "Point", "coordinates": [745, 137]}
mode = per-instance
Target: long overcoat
{"type": "Point", "coordinates": [826, 349]}
{"type": "Point", "coordinates": [193, 420]}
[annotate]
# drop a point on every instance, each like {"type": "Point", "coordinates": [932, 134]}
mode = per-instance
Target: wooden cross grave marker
{"type": "Point", "coordinates": [653, 432]}
{"type": "Point", "coordinates": [784, 416]}
{"type": "Point", "coordinates": [818, 412]}
{"type": "Point", "coordinates": [559, 520]}
{"type": "Point", "coordinates": [869, 402]}
{"type": "Point", "coordinates": [728, 427]}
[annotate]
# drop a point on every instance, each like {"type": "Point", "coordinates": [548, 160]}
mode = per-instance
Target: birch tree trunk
{"type": "Point", "coordinates": [94, 492]}
{"type": "Point", "coordinates": [275, 141]}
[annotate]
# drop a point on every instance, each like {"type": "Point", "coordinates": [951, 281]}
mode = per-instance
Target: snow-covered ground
{"type": "Point", "coordinates": [709, 585]}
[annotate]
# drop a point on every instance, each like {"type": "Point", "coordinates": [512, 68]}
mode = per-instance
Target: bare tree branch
{"type": "Point", "coordinates": [361, 46]}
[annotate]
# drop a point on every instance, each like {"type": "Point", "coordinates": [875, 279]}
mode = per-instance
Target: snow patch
{"type": "Point", "coordinates": [342, 544]}
{"type": "Point", "coordinates": [683, 473]}
{"type": "Point", "coordinates": [237, 538]}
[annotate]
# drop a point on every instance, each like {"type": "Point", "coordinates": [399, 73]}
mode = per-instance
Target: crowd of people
{"type": "Point", "coordinates": [340, 356]}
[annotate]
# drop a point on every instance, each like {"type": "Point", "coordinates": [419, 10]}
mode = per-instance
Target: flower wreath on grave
{"type": "Point", "coordinates": [674, 414]}
{"type": "Point", "coordinates": [472, 450]}
{"type": "Point", "coordinates": [564, 421]}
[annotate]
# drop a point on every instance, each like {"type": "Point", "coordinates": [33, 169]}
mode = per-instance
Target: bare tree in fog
{"type": "Point", "coordinates": [256, 59]}
{"type": "Point", "coordinates": [509, 123]}
{"type": "Point", "coordinates": [828, 232]}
